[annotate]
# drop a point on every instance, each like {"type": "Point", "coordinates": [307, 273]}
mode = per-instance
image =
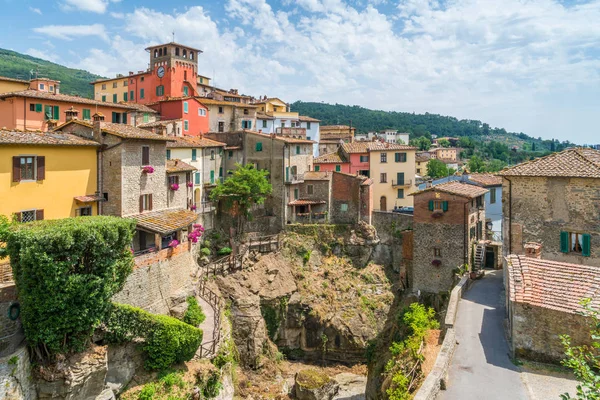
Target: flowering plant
{"type": "Point", "coordinates": [174, 243]}
{"type": "Point", "coordinates": [196, 233]}
{"type": "Point", "coordinates": [193, 207]}
{"type": "Point", "coordinates": [190, 184]}
{"type": "Point", "coordinates": [175, 186]}
{"type": "Point", "coordinates": [148, 169]}
{"type": "Point", "coordinates": [436, 263]}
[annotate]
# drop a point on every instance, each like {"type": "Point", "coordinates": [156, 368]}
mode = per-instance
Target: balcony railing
{"type": "Point", "coordinates": [294, 178]}
{"type": "Point", "coordinates": [146, 251]}
{"type": "Point", "coordinates": [204, 207]}
{"type": "Point", "coordinates": [291, 131]}
{"type": "Point", "coordinates": [406, 182]}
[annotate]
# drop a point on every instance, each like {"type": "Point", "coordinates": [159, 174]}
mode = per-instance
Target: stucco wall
{"type": "Point", "coordinates": [392, 168]}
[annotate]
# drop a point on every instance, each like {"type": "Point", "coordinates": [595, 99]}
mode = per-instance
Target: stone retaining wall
{"type": "Point", "coordinates": [15, 376]}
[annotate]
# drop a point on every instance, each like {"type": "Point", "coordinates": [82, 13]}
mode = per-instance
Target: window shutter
{"type": "Point", "coordinates": [39, 215]}
{"type": "Point", "coordinates": [56, 112]}
{"type": "Point", "coordinates": [145, 155]}
{"type": "Point", "coordinates": [194, 155]}
{"type": "Point", "coordinates": [124, 118]}
{"type": "Point", "coordinates": [249, 124]}
{"type": "Point", "coordinates": [38, 108]}
{"type": "Point", "coordinates": [150, 201]}
{"type": "Point", "coordinates": [445, 206]}
{"type": "Point", "coordinates": [16, 169]}
{"type": "Point", "coordinates": [430, 205]}
{"type": "Point", "coordinates": [397, 157]}
{"type": "Point", "coordinates": [41, 168]}
{"type": "Point", "coordinates": [141, 203]}
{"type": "Point", "coordinates": [47, 112]}
{"type": "Point", "coordinates": [586, 248]}
{"type": "Point", "coordinates": [564, 242]}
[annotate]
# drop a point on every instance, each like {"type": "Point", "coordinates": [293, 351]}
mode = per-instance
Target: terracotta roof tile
{"type": "Point", "coordinates": [317, 175]}
{"type": "Point", "coordinates": [89, 198]}
{"type": "Point", "coordinates": [36, 94]}
{"type": "Point", "coordinates": [355, 147]}
{"type": "Point", "coordinates": [364, 147]}
{"type": "Point", "coordinates": [330, 158]}
{"type": "Point", "coordinates": [575, 162]}
{"type": "Point", "coordinates": [552, 284]}
{"type": "Point", "coordinates": [206, 102]}
{"type": "Point", "coordinates": [456, 188]}
{"type": "Point", "coordinates": [130, 132]}
{"type": "Point", "coordinates": [303, 202]}
{"type": "Point", "coordinates": [158, 123]}
{"type": "Point", "coordinates": [165, 221]}
{"type": "Point", "coordinates": [187, 142]}
{"type": "Point", "coordinates": [281, 138]}
{"type": "Point", "coordinates": [140, 107]}
{"type": "Point", "coordinates": [43, 139]}
{"type": "Point", "coordinates": [7, 79]}
{"type": "Point", "coordinates": [308, 119]}
{"type": "Point", "coordinates": [263, 115]}
{"type": "Point", "coordinates": [176, 165]}
{"type": "Point", "coordinates": [486, 179]}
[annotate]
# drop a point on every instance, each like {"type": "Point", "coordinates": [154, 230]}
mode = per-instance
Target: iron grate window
{"type": "Point", "coordinates": [28, 216]}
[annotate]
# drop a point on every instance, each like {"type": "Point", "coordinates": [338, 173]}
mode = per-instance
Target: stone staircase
{"type": "Point", "coordinates": [479, 257]}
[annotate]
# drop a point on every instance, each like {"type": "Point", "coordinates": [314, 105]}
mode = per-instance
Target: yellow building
{"type": "Point", "coordinates": [276, 108]}
{"type": "Point", "coordinates": [47, 176]}
{"type": "Point", "coordinates": [8, 85]}
{"type": "Point", "coordinates": [392, 169]}
{"type": "Point", "coordinates": [421, 164]}
{"type": "Point", "coordinates": [114, 90]}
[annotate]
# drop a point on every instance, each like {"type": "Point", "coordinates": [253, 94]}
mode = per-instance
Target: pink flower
{"type": "Point", "coordinates": [148, 169]}
{"type": "Point", "coordinates": [175, 186]}
{"type": "Point", "coordinates": [193, 207]}
{"type": "Point", "coordinates": [174, 243]}
{"type": "Point", "coordinates": [190, 184]}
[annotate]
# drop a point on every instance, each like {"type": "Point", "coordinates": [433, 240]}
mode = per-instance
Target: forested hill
{"type": "Point", "coordinates": [366, 120]}
{"type": "Point", "coordinates": [72, 81]}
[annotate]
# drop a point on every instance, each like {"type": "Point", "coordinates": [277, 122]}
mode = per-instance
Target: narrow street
{"type": "Point", "coordinates": [481, 367]}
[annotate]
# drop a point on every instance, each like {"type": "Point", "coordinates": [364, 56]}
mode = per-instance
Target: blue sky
{"type": "Point", "coordinates": [529, 66]}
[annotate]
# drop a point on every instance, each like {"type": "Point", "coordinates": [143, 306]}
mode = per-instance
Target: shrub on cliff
{"type": "Point", "coordinates": [166, 339]}
{"type": "Point", "coordinates": [66, 272]}
{"type": "Point", "coordinates": [193, 315]}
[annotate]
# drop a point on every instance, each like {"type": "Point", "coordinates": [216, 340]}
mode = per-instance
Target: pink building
{"type": "Point", "coordinates": [358, 155]}
{"type": "Point", "coordinates": [331, 162]}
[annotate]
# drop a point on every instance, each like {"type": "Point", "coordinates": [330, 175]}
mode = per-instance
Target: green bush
{"type": "Point", "coordinates": [66, 272]}
{"type": "Point", "coordinates": [166, 339]}
{"type": "Point", "coordinates": [224, 251]}
{"type": "Point", "coordinates": [147, 392]}
{"type": "Point", "coordinates": [205, 251]}
{"type": "Point", "coordinates": [193, 315]}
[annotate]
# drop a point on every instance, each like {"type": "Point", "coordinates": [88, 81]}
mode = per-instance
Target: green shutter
{"type": "Point", "coordinates": [197, 178]}
{"type": "Point", "coordinates": [564, 242]}
{"type": "Point", "coordinates": [317, 168]}
{"type": "Point", "coordinates": [249, 124]}
{"type": "Point", "coordinates": [445, 206]}
{"type": "Point", "coordinates": [56, 112]}
{"type": "Point", "coordinates": [185, 91]}
{"type": "Point", "coordinates": [338, 168]}
{"type": "Point", "coordinates": [86, 113]}
{"type": "Point", "coordinates": [131, 96]}
{"type": "Point", "coordinates": [124, 118]}
{"type": "Point", "coordinates": [220, 172]}
{"type": "Point", "coordinates": [141, 93]}
{"type": "Point", "coordinates": [114, 98]}
{"type": "Point", "coordinates": [38, 108]}
{"type": "Point", "coordinates": [400, 178]}
{"type": "Point", "coordinates": [297, 149]}
{"type": "Point", "coordinates": [168, 154]}
{"type": "Point", "coordinates": [397, 157]}
{"type": "Point", "coordinates": [193, 154]}
{"type": "Point", "coordinates": [586, 248]}
{"type": "Point", "coordinates": [185, 107]}
{"type": "Point", "coordinates": [157, 90]}
{"type": "Point", "coordinates": [287, 174]}
{"type": "Point", "coordinates": [114, 117]}
{"type": "Point", "coordinates": [103, 98]}
{"type": "Point", "coordinates": [295, 194]}
{"type": "Point", "coordinates": [125, 96]}
{"type": "Point", "coordinates": [259, 146]}
{"type": "Point", "coordinates": [212, 176]}
{"type": "Point", "coordinates": [430, 205]}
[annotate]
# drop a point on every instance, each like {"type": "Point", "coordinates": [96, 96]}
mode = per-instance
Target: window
{"type": "Point", "coordinates": [308, 138]}
{"type": "Point", "coordinates": [264, 123]}
{"type": "Point", "coordinates": [141, 93]}
{"type": "Point", "coordinates": [185, 125]}
{"type": "Point", "coordinates": [220, 110]}
{"type": "Point", "coordinates": [173, 180]}
{"type": "Point", "coordinates": [146, 117]}
{"type": "Point", "coordinates": [32, 107]}
{"type": "Point", "coordinates": [245, 111]}
{"type": "Point", "coordinates": [114, 85]}
{"type": "Point", "coordinates": [87, 113]}
{"type": "Point", "coordinates": [338, 168]}
{"type": "Point", "coordinates": [344, 207]}
{"type": "Point", "coordinates": [283, 124]}
{"type": "Point", "coordinates": [201, 112]}
{"type": "Point", "coordinates": [246, 124]}
{"type": "Point", "coordinates": [146, 202]}
{"type": "Point", "coordinates": [493, 195]}
{"type": "Point", "coordinates": [308, 125]}
{"type": "Point", "coordinates": [400, 157]}
{"type": "Point", "coordinates": [42, 86]}
{"type": "Point", "coordinates": [400, 193]}
{"type": "Point", "coordinates": [28, 168]}
{"type": "Point", "coordinates": [317, 168]}
{"type": "Point", "coordinates": [185, 107]}
{"type": "Point", "coordinates": [438, 205]}
{"type": "Point", "coordinates": [104, 86]}
{"type": "Point", "coordinates": [479, 201]}
{"type": "Point", "coordinates": [437, 252]}
{"type": "Point", "coordinates": [131, 95]}
{"type": "Point", "coordinates": [51, 88]}
{"type": "Point", "coordinates": [364, 158]}
{"type": "Point", "coordinates": [230, 153]}
{"type": "Point", "coordinates": [383, 157]}
{"type": "Point", "coordinates": [212, 154]}
{"type": "Point", "coordinates": [125, 96]}
{"type": "Point", "coordinates": [259, 146]}
{"type": "Point", "coordinates": [309, 189]}
{"type": "Point", "coordinates": [125, 82]}
{"type": "Point", "coordinates": [84, 212]}
{"type": "Point", "coordinates": [160, 90]}
{"type": "Point", "coordinates": [221, 126]}
{"type": "Point", "coordinates": [145, 155]}
{"type": "Point", "coordinates": [197, 178]}
{"type": "Point", "coordinates": [168, 154]}
{"type": "Point", "coordinates": [575, 242]}
{"type": "Point", "coordinates": [51, 112]}
{"type": "Point", "coordinates": [30, 215]}
{"type": "Point", "coordinates": [177, 51]}
{"type": "Point", "coordinates": [296, 194]}
{"type": "Point", "coordinates": [193, 154]}
{"type": "Point", "coordinates": [104, 98]}
{"type": "Point", "coordinates": [142, 79]}
{"type": "Point", "coordinates": [186, 91]}
{"type": "Point", "coordinates": [115, 98]}
{"type": "Point", "coordinates": [383, 177]}
{"type": "Point", "coordinates": [297, 149]}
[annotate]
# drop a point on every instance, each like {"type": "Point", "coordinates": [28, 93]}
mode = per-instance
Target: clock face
{"type": "Point", "coordinates": [160, 72]}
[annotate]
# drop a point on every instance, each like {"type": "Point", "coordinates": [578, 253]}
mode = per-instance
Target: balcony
{"type": "Point", "coordinates": [293, 132]}
{"type": "Point", "coordinates": [294, 179]}
{"type": "Point", "coordinates": [404, 183]}
{"type": "Point", "coordinates": [204, 207]}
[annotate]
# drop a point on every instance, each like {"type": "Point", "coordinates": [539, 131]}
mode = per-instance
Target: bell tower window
{"type": "Point", "coordinates": [176, 51]}
{"type": "Point", "coordinates": [160, 52]}
{"type": "Point", "coordinates": [184, 53]}
{"type": "Point", "coordinates": [155, 53]}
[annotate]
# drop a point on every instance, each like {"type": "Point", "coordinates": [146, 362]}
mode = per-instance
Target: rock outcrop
{"type": "Point", "coordinates": [312, 385]}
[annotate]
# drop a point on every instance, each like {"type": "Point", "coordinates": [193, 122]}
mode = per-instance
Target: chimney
{"type": "Point", "coordinates": [98, 117]}
{"type": "Point", "coordinates": [429, 183]}
{"type": "Point", "coordinates": [533, 250]}
{"type": "Point", "coordinates": [130, 72]}
{"type": "Point", "coordinates": [71, 114]}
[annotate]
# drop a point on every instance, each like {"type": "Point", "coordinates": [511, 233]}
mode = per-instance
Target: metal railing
{"type": "Point", "coordinates": [204, 207]}
{"type": "Point", "coordinates": [209, 348]}
{"type": "Point", "coordinates": [406, 182]}
{"type": "Point", "coordinates": [291, 131]}
{"type": "Point", "coordinates": [143, 252]}
{"type": "Point", "coordinates": [294, 178]}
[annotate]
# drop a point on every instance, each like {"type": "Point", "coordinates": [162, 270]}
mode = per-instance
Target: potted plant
{"type": "Point", "coordinates": [175, 187]}
{"type": "Point", "coordinates": [148, 169]}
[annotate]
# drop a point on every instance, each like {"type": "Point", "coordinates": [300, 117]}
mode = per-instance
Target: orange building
{"type": "Point", "coordinates": [193, 114]}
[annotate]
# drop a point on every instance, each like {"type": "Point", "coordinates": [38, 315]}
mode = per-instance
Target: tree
{"type": "Point", "coordinates": [465, 143]}
{"type": "Point", "coordinates": [444, 142]}
{"type": "Point", "coordinates": [436, 169]}
{"type": "Point", "coordinates": [585, 360]}
{"type": "Point", "coordinates": [422, 143]}
{"type": "Point", "coordinates": [476, 164]}
{"type": "Point", "coordinates": [532, 146]}
{"type": "Point", "coordinates": [246, 187]}
{"type": "Point", "coordinates": [495, 165]}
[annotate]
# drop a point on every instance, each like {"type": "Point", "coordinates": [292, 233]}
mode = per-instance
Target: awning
{"type": "Point", "coordinates": [166, 221]}
{"type": "Point", "coordinates": [306, 202]}
{"type": "Point", "coordinates": [89, 198]}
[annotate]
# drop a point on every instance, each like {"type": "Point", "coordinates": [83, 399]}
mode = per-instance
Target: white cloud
{"type": "Point", "coordinates": [117, 15]}
{"type": "Point", "coordinates": [43, 55]}
{"type": "Point", "coordinates": [35, 10]}
{"type": "Point", "coordinates": [96, 6]}
{"type": "Point", "coordinates": [70, 32]}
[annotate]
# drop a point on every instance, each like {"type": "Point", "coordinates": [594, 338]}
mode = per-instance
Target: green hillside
{"type": "Point", "coordinates": [72, 81]}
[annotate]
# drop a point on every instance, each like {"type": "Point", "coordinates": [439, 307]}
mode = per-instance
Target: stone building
{"type": "Point", "coordinates": [544, 303]}
{"type": "Point", "coordinates": [448, 220]}
{"type": "Point", "coordinates": [332, 136]}
{"type": "Point", "coordinates": [493, 202]}
{"type": "Point", "coordinates": [553, 201]}
{"type": "Point", "coordinates": [228, 116]}
{"type": "Point", "coordinates": [142, 114]}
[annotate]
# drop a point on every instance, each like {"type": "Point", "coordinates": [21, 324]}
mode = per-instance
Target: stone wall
{"type": "Point", "coordinates": [536, 330]}
{"type": "Point", "coordinates": [182, 197]}
{"type": "Point", "coordinates": [8, 294]}
{"type": "Point", "coordinates": [345, 190]}
{"type": "Point", "coordinates": [543, 207]}
{"type": "Point", "coordinates": [15, 376]}
{"type": "Point", "coordinates": [111, 177]}
{"type": "Point", "coordinates": [156, 278]}
{"type": "Point", "coordinates": [390, 251]}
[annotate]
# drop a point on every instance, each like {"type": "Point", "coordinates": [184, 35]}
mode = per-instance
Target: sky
{"type": "Point", "coordinates": [529, 66]}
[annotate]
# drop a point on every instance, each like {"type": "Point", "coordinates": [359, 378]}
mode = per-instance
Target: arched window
{"type": "Point", "coordinates": [176, 51]}
{"type": "Point", "coordinates": [160, 52]}
{"type": "Point", "coordinates": [184, 53]}
{"type": "Point", "coordinates": [165, 51]}
{"type": "Point", "coordinates": [155, 53]}
{"type": "Point", "coordinates": [191, 55]}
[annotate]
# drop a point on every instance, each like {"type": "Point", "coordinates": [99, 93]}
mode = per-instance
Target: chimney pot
{"type": "Point", "coordinates": [533, 250]}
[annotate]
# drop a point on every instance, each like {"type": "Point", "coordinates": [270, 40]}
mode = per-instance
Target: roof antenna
{"type": "Point", "coordinates": [173, 36]}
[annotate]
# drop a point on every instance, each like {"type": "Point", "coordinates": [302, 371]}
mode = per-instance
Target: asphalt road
{"type": "Point", "coordinates": [481, 368]}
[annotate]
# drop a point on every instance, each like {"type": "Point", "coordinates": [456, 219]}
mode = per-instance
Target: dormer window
{"type": "Point", "coordinates": [51, 88]}
{"type": "Point", "coordinates": [42, 87]}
